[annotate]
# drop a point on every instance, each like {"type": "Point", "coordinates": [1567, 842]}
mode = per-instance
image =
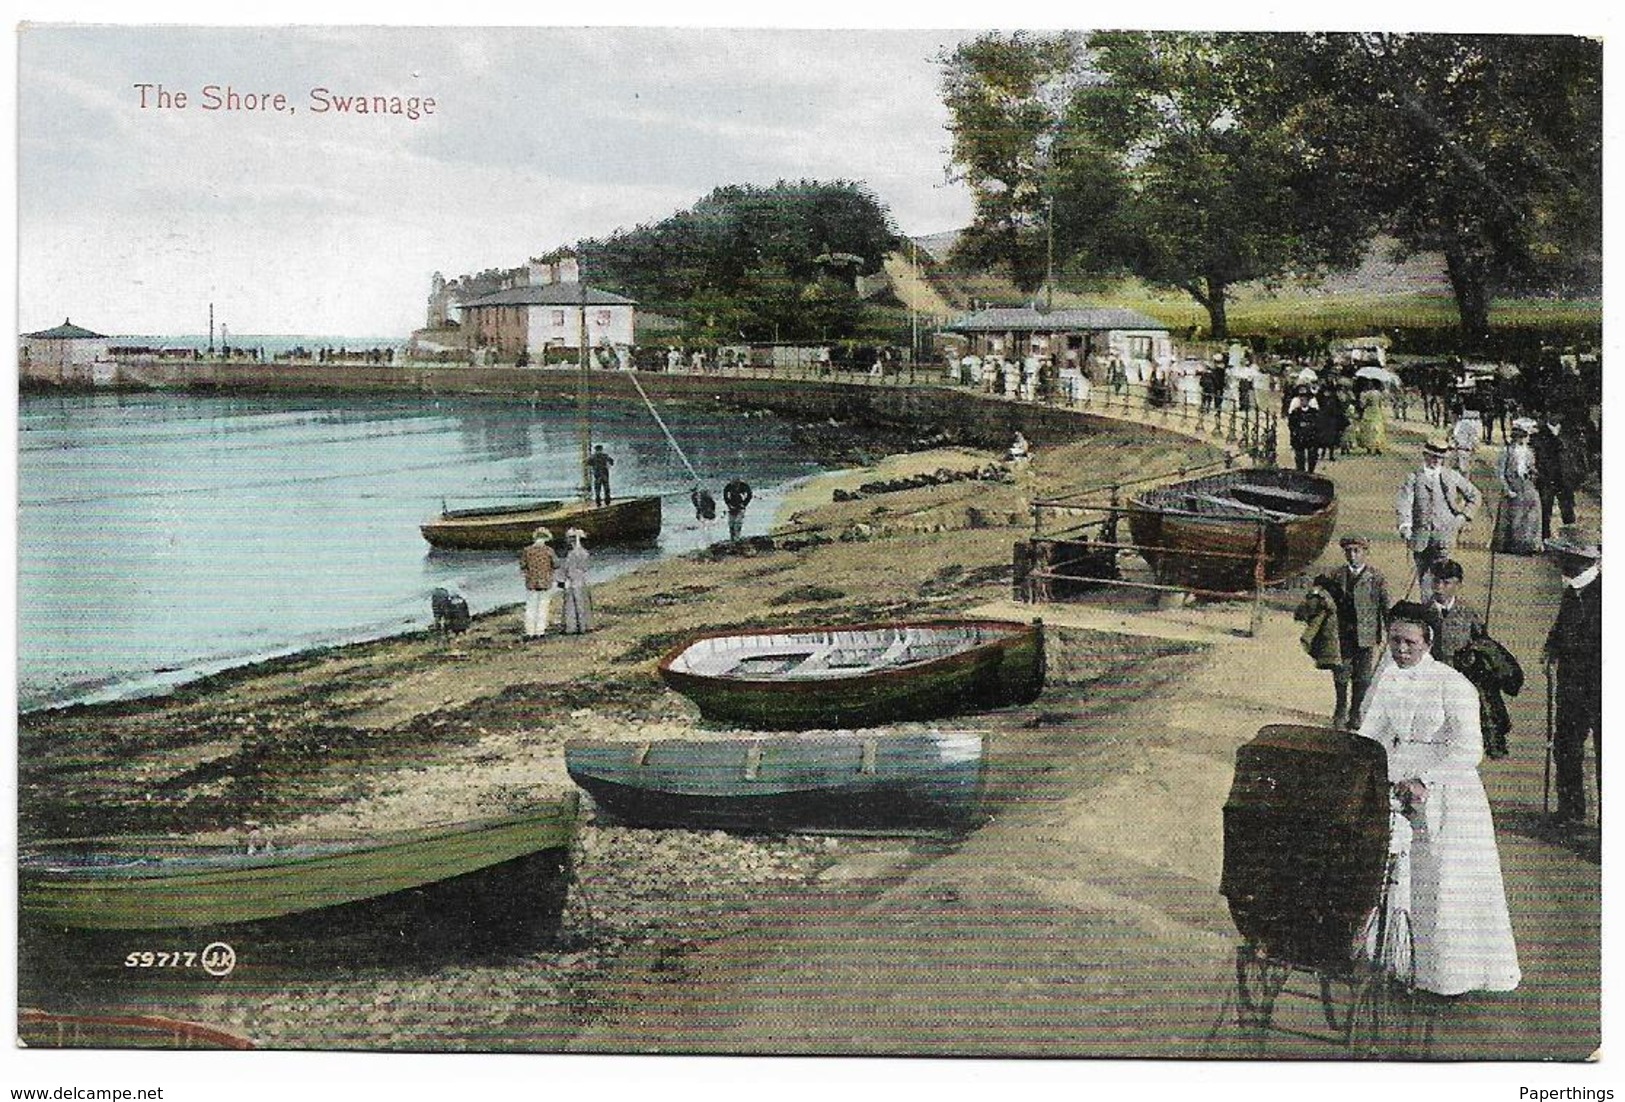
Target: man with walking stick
{"type": "Point", "coordinates": [1573, 658]}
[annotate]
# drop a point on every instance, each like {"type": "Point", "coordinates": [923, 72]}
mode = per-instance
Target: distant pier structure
{"type": "Point", "coordinates": [66, 354]}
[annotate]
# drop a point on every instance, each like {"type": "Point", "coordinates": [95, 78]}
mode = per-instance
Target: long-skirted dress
{"type": "Point", "coordinates": [1517, 528]}
{"type": "Point", "coordinates": [1427, 719]}
{"type": "Point", "coordinates": [1372, 433]}
{"type": "Point", "coordinates": [577, 595]}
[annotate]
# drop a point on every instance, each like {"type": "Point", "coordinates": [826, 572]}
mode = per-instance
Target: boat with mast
{"type": "Point", "coordinates": [634, 520]}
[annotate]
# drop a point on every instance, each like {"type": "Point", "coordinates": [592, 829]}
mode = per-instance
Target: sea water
{"type": "Point", "coordinates": [163, 536]}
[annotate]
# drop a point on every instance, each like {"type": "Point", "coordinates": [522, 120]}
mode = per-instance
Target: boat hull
{"type": "Point", "coordinates": [152, 884]}
{"type": "Point", "coordinates": [1216, 552]}
{"type": "Point", "coordinates": [781, 783]}
{"type": "Point", "coordinates": [42, 1029]}
{"type": "Point", "coordinates": [1007, 669]}
{"type": "Point", "coordinates": [632, 521]}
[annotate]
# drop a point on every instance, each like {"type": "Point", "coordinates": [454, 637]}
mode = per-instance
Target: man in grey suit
{"type": "Point", "coordinates": [1361, 594]}
{"type": "Point", "coordinates": [1431, 507]}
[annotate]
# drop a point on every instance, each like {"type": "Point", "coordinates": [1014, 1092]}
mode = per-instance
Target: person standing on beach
{"type": "Point", "coordinates": [736, 496]}
{"type": "Point", "coordinates": [538, 563]}
{"type": "Point", "coordinates": [598, 465]}
{"type": "Point", "coordinates": [1448, 877]}
{"type": "Point", "coordinates": [577, 595]}
{"type": "Point", "coordinates": [1573, 657]}
{"type": "Point", "coordinates": [1431, 507]}
{"type": "Point", "coordinates": [1361, 593]}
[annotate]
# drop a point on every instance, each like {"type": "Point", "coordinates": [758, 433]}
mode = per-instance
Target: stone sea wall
{"type": "Point", "coordinates": [960, 415]}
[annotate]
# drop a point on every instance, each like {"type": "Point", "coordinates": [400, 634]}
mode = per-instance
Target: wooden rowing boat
{"type": "Point", "coordinates": [43, 1029]}
{"type": "Point", "coordinates": [151, 883]}
{"type": "Point", "coordinates": [837, 781]}
{"type": "Point", "coordinates": [858, 676]}
{"type": "Point", "coordinates": [1205, 533]}
{"type": "Point", "coordinates": [509, 527]}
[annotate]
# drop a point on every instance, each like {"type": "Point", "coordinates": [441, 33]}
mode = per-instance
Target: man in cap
{"type": "Point", "coordinates": [1432, 505]}
{"type": "Point", "coordinates": [538, 563]}
{"type": "Point", "coordinates": [1361, 594]}
{"type": "Point", "coordinates": [1560, 468]}
{"type": "Point", "coordinates": [1574, 649]}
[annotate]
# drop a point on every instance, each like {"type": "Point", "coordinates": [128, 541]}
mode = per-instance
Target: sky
{"type": "Point", "coordinates": [133, 219]}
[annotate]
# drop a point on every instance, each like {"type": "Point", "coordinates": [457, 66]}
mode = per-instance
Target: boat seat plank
{"type": "Point", "coordinates": [1279, 498]}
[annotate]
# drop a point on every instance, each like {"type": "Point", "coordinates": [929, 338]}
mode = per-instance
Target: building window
{"type": "Point", "coordinates": [558, 319]}
{"type": "Point", "coordinates": [601, 318]}
{"type": "Point", "coordinates": [1139, 348]}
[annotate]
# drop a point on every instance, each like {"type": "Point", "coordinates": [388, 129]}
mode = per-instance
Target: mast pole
{"type": "Point", "coordinates": [583, 399]}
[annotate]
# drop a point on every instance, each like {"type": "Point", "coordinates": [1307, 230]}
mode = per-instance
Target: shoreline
{"type": "Point", "coordinates": [1082, 918]}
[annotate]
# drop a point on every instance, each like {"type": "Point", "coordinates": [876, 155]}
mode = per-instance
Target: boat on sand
{"type": "Point", "coordinates": [1211, 533]}
{"type": "Point", "coordinates": [157, 883]}
{"type": "Point", "coordinates": [830, 781]}
{"type": "Point", "coordinates": [857, 676]}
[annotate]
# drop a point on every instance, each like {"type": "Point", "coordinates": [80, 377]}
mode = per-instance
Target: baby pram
{"type": "Point", "coordinates": [1314, 873]}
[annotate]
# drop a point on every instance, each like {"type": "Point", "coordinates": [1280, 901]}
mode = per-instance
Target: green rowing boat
{"type": "Point", "coordinates": [152, 883]}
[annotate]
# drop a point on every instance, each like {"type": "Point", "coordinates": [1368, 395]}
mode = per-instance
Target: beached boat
{"type": "Point", "coordinates": [859, 676]}
{"type": "Point", "coordinates": [1205, 533]}
{"type": "Point", "coordinates": [509, 527]}
{"type": "Point", "coordinates": [153, 883]}
{"type": "Point", "coordinates": [835, 781]}
{"type": "Point", "coordinates": [43, 1029]}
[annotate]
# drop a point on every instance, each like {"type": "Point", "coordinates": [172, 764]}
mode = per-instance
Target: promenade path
{"type": "Point", "coordinates": [1085, 918]}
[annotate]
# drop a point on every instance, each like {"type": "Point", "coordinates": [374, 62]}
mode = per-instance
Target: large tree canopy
{"type": "Point", "coordinates": [1485, 148]}
{"type": "Point", "coordinates": [1198, 161]}
{"type": "Point", "coordinates": [760, 263]}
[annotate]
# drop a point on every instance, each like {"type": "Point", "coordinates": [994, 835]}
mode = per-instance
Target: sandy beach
{"type": "Point", "coordinates": [1081, 919]}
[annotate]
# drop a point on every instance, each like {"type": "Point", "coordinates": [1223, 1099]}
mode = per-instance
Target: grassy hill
{"type": "Point", "coordinates": [1380, 294]}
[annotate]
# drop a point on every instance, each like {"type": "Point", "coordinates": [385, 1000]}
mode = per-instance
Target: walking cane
{"type": "Point", "coordinates": [1489, 602]}
{"type": "Point", "coordinates": [1546, 782]}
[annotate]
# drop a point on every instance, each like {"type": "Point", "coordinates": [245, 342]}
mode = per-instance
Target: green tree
{"type": "Point", "coordinates": [753, 262]}
{"type": "Point", "coordinates": [1004, 95]}
{"type": "Point", "coordinates": [1173, 156]}
{"type": "Point", "coordinates": [1485, 148]}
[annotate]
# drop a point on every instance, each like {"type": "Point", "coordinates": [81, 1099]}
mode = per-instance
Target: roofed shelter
{"type": "Point", "coordinates": [67, 353]}
{"type": "Point", "coordinates": [1071, 336]}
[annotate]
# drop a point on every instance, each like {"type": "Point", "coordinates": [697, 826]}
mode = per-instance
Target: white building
{"type": "Point", "coordinates": [66, 354]}
{"type": "Point", "coordinates": [535, 318]}
{"type": "Point", "coordinates": [1077, 335]}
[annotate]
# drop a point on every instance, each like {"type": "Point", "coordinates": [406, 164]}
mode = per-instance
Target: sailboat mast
{"type": "Point", "coordinates": [583, 397]}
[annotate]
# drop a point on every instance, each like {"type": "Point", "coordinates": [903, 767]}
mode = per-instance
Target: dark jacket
{"type": "Point", "coordinates": [1560, 460]}
{"type": "Point", "coordinates": [1362, 606]}
{"type": "Point", "coordinates": [1320, 637]}
{"type": "Point", "coordinates": [1493, 670]}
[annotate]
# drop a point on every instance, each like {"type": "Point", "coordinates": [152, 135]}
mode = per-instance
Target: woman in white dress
{"type": "Point", "coordinates": [1426, 715]}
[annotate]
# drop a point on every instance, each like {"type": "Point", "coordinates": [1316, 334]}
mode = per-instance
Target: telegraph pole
{"type": "Point", "coordinates": [1049, 248]}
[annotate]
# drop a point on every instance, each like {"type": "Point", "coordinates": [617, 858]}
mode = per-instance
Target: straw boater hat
{"type": "Point", "coordinates": [542, 535]}
{"type": "Point", "coordinates": [1525, 425]}
{"type": "Point", "coordinates": [1354, 541]}
{"type": "Point", "coordinates": [1582, 543]}
{"type": "Point", "coordinates": [1440, 448]}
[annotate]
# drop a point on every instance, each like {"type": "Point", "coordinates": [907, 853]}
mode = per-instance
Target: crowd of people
{"type": "Point", "coordinates": [1426, 679]}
